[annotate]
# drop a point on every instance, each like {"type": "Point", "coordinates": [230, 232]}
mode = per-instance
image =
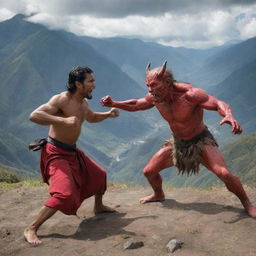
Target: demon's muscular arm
{"type": "Point", "coordinates": [208, 102]}
{"type": "Point", "coordinates": [129, 105]}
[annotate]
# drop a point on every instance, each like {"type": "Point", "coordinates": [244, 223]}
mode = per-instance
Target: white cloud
{"type": "Point", "coordinates": [199, 24]}
{"type": "Point", "coordinates": [197, 44]}
{"type": "Point", "coordinates": [5, 14]}
{"type": "Point", "coordinates": [247, 27]}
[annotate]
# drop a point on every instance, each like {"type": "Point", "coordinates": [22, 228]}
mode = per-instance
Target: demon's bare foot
{"type": "Point", "coordinates": [251, 210]}
{"type": "Point", "coordinates": [31, 236]}
{"type": "Point", "coordinates": [103, 209]}
{"type": "Point", "coordinates": [153, 198]}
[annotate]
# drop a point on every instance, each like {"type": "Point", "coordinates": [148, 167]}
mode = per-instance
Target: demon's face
{"type": "Point", "coordinates": [157, 83]}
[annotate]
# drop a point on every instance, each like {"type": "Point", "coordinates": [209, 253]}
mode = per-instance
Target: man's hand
{"type": "Point", "coordinates": [106, 101]}
{"type": "Point", "coordinates": [113, 113]}
{"type": "Point", "coordinates": [229, 119]}
{"type": "Point", "coordinates": [71, 121]}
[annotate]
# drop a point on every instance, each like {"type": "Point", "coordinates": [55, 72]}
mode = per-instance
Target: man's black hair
{"type": "Point", "coordinates": [77, 74]}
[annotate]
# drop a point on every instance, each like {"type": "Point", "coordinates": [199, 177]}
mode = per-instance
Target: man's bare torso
{"type": "Point", "coordinates": [69, 108]}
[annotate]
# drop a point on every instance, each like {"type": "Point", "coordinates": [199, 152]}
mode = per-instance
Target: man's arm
{"type": "Point", "coordinates": [95, 117]}
{"type": "Point", "coordinates": [129, 105]}
{"type": "Point", "coordinates": [46, 114]}
{"type": "Point", "coordinates": [208, 102]}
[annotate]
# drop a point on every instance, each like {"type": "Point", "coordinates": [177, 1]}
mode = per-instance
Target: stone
{"type": "Point", "coordinates": [133, 244]}
{"type": "Point", "coordinates": [173, 245]}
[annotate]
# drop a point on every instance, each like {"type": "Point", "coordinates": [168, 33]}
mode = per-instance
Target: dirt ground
{"type": "Point", "coordinates": [211, 223]}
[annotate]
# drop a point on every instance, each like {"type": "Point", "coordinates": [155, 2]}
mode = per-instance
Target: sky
{"type": "Point", "coordinates": [186, 23]}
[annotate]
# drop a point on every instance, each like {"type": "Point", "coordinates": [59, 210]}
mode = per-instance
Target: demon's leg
{"type": "Point", "coordinates": [161, 160]}
{"type": "Point", "coordinates": [214, 161]}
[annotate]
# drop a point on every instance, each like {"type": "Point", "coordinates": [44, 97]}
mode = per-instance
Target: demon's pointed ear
{"type": "Point", "coordinates": [148, 68]}
{"type": "Point", "coordinates": [163, 69]}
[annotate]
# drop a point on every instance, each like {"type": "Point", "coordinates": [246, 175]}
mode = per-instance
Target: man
{"type": "Point", "coordinates": [72, 175]}
{"type": "Point", "coordinates": [182, 106]}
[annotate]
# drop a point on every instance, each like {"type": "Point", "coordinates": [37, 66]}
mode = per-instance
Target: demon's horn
{"type": "Point", "coordinates": [148, 68]}
{"type": "Point", "coordinates": [161, 73]}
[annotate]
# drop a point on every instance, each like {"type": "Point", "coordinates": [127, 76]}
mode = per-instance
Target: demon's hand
{"type": "Point", "coordinates": [229, 119]}
{"type": "Point", "coordinates": [106, 101]}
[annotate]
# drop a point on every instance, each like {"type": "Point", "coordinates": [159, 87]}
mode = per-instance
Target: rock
{"type": "Point", "coordinates": [173, 245]}
{"type": "Point", "coordinates": [133, 244]}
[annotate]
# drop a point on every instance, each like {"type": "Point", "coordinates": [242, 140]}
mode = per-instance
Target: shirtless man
{"type": "Point", "coordinates": [182, 106]}
{"type": "Point", "coordinates": [72, 175]}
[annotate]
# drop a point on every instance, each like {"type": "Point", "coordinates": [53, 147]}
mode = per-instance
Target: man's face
{"type": "Point", "coordinates": [88, 86]}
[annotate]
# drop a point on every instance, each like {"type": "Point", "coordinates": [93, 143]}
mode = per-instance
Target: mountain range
{"type": "Point", "coordinates": [34, 65]}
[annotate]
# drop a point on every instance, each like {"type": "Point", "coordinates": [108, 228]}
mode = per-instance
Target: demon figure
{"type": "Point", "coordinates": [192, 144]}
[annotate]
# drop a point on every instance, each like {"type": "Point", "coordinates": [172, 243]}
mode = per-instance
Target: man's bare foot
{"type": "Point", "coordinates": [152, 198]}
{"type": "Point", "coordinates": [251, 210]}
{"type": "Point", "coordinates": [31, 236]}
{"type": "Point", "coordinates": [103, 209]}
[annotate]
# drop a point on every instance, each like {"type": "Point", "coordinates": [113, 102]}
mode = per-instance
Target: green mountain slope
{"type": "Point", "coordinates": [239, 90]}
{"type": "Point", "coordinates": [221, 65]}
{"type": "Point", "coordinates": [35, 65]}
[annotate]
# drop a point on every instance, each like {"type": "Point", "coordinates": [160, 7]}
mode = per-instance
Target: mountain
{"type": "Point", "coordinates": [34, 66]}
{"type": "Point", "coordinates": [15, 157]}
{"type": "Point", "coordinates": [239, 89]}
{"type": "Point", "coordinates": [221, 65]}
{"type": "Point", "coordinates": [132, 55]}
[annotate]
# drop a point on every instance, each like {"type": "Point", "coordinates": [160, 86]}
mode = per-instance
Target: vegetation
{"type": "Point", "coordinates": [23, 183]}
{"type": "Point", "coordinates": [8, 177]}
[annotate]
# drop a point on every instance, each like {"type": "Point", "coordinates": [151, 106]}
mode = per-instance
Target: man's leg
{"type": "Point", "coordinates": [96, 175]}
{"type": "Point", "coordinates": [99, 207]}
{"type": "Point", "coordinates": [214, 161]}
{"type": "Point", "coordinates": [30, 232]}
{"type": "Point", "coordinates": [64, 197]}
{"type": "Point", "coordinates": [161, 160]}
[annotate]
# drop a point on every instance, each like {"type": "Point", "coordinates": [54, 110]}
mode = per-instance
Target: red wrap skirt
{"type": "Point", "coordinates": [72, 177]}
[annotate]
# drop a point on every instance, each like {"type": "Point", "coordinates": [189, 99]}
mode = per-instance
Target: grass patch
{"type": "Point", "coordinates": [32, 183]}
{"type": "Point", "coordinates": [24, 183]}
{"type": "Point", "coordinates": [8, 177]}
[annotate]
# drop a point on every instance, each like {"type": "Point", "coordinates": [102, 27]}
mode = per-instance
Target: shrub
{"type": "Point", "coordinates": [6, 176]}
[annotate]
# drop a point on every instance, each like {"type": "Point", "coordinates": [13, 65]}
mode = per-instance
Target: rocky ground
{"type": "Point", "coordinates": [210, 223]}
